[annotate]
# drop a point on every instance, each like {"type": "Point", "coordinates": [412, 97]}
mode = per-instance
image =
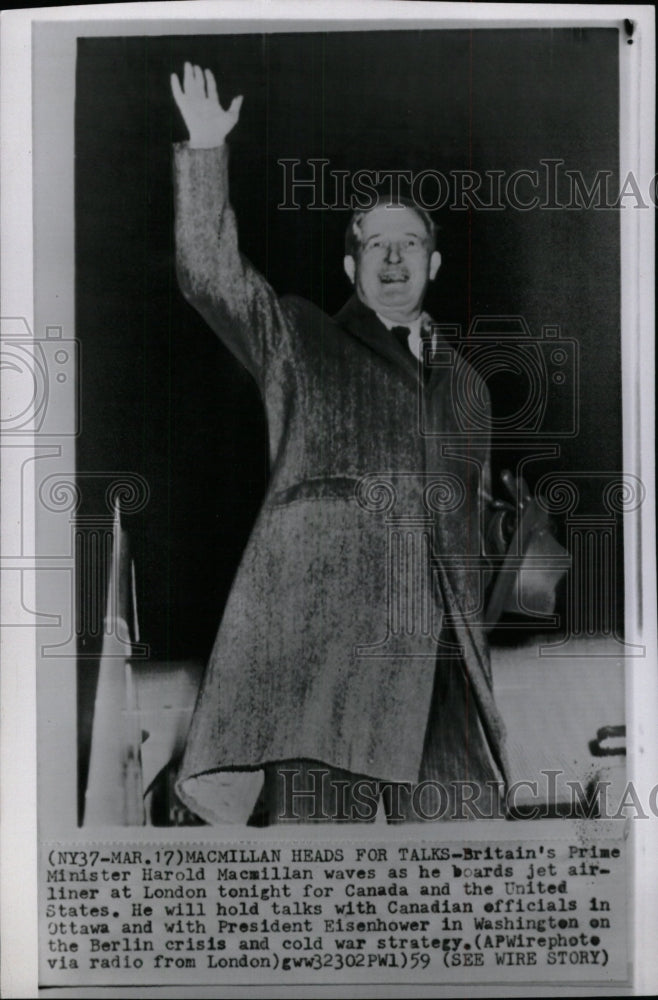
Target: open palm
{"type": "Point", "coordinates": [208, 123]}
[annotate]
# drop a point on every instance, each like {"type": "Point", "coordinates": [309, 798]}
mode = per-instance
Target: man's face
{"type": "Point", "coordinates": [394, 264]}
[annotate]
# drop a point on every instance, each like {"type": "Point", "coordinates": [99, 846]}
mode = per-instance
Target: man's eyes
{"type": "Point", "coordinates": [409, 243]}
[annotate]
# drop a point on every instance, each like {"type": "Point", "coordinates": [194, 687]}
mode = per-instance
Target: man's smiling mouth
{"type": "Point", "coordinates": [390, 279]}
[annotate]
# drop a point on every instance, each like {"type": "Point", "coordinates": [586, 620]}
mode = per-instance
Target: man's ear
{"type": "Point", "coordinates": [435, 264]}
{"type": "Point", "coordinates": [350, 267]}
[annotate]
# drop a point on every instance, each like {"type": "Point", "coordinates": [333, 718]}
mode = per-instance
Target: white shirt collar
{"type": "Point", "coordinates": [415, 326]}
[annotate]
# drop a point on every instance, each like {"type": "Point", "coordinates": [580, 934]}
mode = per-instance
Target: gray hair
{"type": "Point", "coordinates": [353, 232]}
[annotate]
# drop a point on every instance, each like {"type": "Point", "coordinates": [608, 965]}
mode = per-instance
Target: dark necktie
{"type": "Point", "coordinates": [401, 334]}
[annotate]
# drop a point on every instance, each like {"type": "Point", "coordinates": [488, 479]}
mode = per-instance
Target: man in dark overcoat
{"type": "Point", "coordinates": [351, 654]}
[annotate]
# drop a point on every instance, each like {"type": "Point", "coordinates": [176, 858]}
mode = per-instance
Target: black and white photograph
{"type": "Point", "coordinates": [352, 357]}
{"type": "Point", "coordinates": [330, 429]}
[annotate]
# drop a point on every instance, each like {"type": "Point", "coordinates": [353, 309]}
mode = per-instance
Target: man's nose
{"type": "Point", "coordinates": [393, 253]}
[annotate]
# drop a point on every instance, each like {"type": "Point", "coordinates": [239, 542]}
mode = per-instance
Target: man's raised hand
{"type": "Point", "coordinates": [207, 121]}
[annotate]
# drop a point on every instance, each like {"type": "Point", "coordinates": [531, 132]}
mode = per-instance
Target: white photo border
{"type": "Point", "coordinates": [19, 734]}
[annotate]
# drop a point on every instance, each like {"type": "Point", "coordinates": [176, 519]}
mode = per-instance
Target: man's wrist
{"type": "Point", "coordinates": [204, 143]}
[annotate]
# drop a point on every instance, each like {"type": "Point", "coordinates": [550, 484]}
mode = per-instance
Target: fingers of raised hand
{"type": "Point", "coordinates": [176, 89]}
{"type": "Point", "coordinates": [207, 121]}
{"type": "Point", "coordinates": [188, 77]}
{"type": "Point", "coordinates": [235, 105]}
{"type": "Point", "coordinates": [193, 82]}
{"type": "Point", "coordinates": [211, 86]}
{"type": "Point", "coordinates": [198, 84]}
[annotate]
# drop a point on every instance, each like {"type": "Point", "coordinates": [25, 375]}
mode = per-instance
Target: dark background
{"type": "Point", "coordinates": [162, 397]}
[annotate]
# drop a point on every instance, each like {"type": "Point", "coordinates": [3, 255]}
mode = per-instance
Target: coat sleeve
{"type": "Point", "coordinates": [234, 299]}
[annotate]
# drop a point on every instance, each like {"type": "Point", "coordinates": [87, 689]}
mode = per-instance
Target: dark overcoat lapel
{"type": "Point", "coordinates": [364, 324]}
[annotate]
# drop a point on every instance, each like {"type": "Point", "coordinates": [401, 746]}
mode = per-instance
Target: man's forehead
{"type": "Point", "coordinates": [391, 219]}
